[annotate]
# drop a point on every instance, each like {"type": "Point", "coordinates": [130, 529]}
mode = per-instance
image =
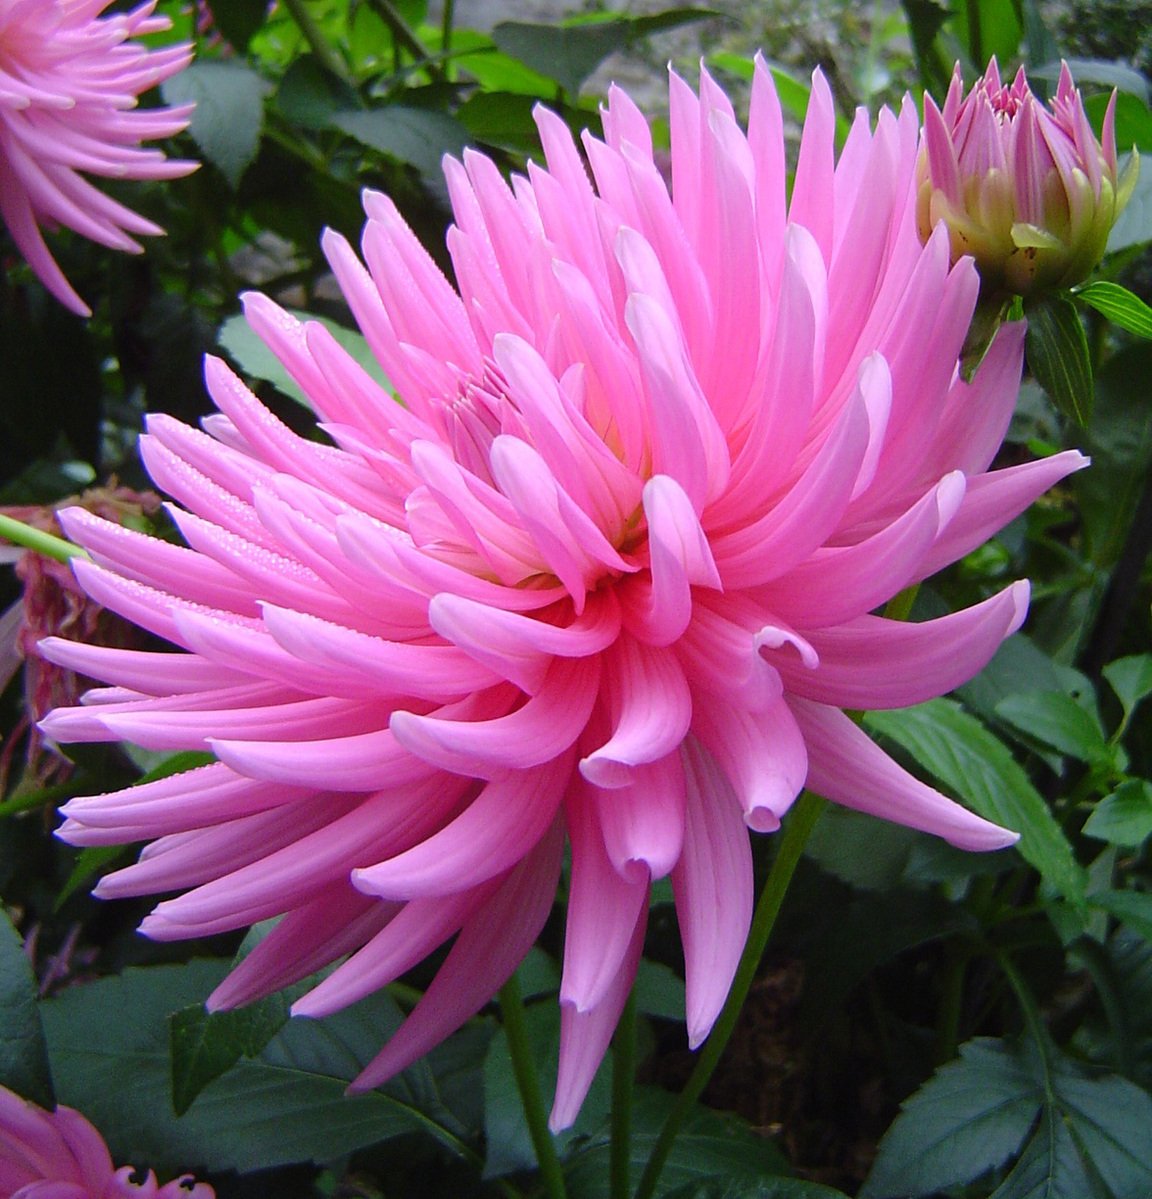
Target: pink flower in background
{"type": "Point", "coordinates": [604, 577]}
{"type": "Point", "coordinates": [1028, 191]}
{"type": "Point", "coordinates": [69, 82]}
{"type": "Point", "coordinates": [59, 1155]}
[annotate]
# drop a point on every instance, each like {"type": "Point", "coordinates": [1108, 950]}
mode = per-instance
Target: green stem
{"type": "Point", "coordinates": [797, 827]}
{"type": "Point", "coordinates": [446, 26]}
{"type": "Point", "coordinates": [623, 1081]}
{"type": "Point", "coordinates": [317, 42]}
{"type": "Point", "coordinates": [404, 35]}
{"type": "Point", "coordinates": [19, 533]}
{"type": "Point", "coordinates": [528, 1084]}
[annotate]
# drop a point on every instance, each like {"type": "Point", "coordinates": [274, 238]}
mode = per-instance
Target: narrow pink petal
{"type": "Point", "coordinates": [585, 1034]}
{"type": "Point", "coordinates": [871, 662]}
{"type": "Point", "coordinates": [518, 647]}
{"type": "Point", "coordinates": [415, 930]}
{"type": "Point", "coordinates": [602, 908]}
{"type": "Point", "coordinates": [847, 767]}
{"type": "Point", "coordinates": [650, 705]}
{"type": "Point", "coordinates": [762, 754]}
{"type": "Point", "coordinates": [712, 883]}
{"type": "Point", "coordinates": [643, 823]}
{"type": "Point", "coordinates": [813, 188]}
{"type": "Point", "coordinates": [841, 582]}
{"type": "Point", "coordinates": [490, 946]}
{"type": "Point", "coordinates": [497, 828]}
{"type": "Point", "coordinates": [140, 670]}
{"type": "Point", "coordinates": [538, 731]}
{"type": "Point", "coordinates": [336, 921]}
{"type": "Point", "coordinates": [991, 501]}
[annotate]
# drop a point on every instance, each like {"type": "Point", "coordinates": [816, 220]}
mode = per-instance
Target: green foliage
{"type": "Point", "coordinates": [1058, 355]}
{"type": "Point", "coordinates": [23, 1054]}
{"type": "Point", "coordinates": [284, 1104]}
{"type": "Point", "coordinates": [1076, 1134]}
{"type": "Point", "coordinates": [962, 754]}
{"type": "Point", "coordinates": [710, 1147]}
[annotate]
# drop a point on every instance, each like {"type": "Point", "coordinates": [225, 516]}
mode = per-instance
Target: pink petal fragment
{"type": "Point", "coordinates": [847, 767]}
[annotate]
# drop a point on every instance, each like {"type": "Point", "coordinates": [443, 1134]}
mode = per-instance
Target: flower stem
{"type": "Point", "coordinates": [623, 1081]}
{"type": "Point", "coordinates": [797, 827]}
{"type": "Point", "coordinates": [405, 36]}
{"type": "Point", "coordinates": [50, 546]}
{"type": "Point", "coordinates": [317, 42]}
{"type": "Point", "coordinates": [528, 1084]}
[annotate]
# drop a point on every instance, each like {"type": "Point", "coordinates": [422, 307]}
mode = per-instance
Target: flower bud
{"type": "Point", "coordinates": [1027, 190]}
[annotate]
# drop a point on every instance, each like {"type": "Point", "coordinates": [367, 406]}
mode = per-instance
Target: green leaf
{"type": "Point", "coordinates": [1133, 908]}
{"type": "Point", "coordinates": [859, 850]}
{"type": "Point", "coordinates": [243, 345]}
{"type": "Point", "coordinates": [89, 863]}
{"type": "Point", "coordinates": [710, 1147]}
{"type": "Point", "coordinates": [238, 20]}
{"type": "Point", "coordinates": [510, 1148]}
{"type": "Point", "coordinates": [205, 1045]}
{"type": "Point", "coordinates": [775, 1188]}
{"type": "Point", "coordinates": [1131, 679]}
{"type": "Point", "coordinates": [1054, 718]}
{"type": "Point", "coordinates": [963, 755]}
{"type": "Point", "coordinates": [659, 991]}
{"type": "Point", "coordinates": [1125, 817]}
{"type": "Point", "coordinates": [229, 115]}
{"type": "Point", "coordinates": [286, 1105]}
{"type": "Point", "coordinates": [974, 1114]}
{"type": "Point", "coordinates": [1119, 441]}
{"type": "Point", "coordinates": [309, 95]}
{"type": "Point", "coordinates": [869, 930]}
{"type": "Point", "coordinates": [1134, 225]}
{"type": "Point", "coordinates": [1097, 70]}
{"type": "Point", "coordinates": [418, 136]}
{"type": "Point", "coordinates": [570, 52]}
{"type": "Point", "coordinates": [23, 1053]}
{"type": "Point", "coordinates": [1057, 351]}
{"type": "Point", "coordinates": [1119, 305]}
{"type": "Point", "coordinates": [987, 28]}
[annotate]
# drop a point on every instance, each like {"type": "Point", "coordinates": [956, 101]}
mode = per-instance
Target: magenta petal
{"type": "Point", "coordinates": [489, 948]}
{"type": "Point", "coordinates": [712, 883]}
{"type": "Point", "coordinates": [602, 908]}
{"type": "Point", "coordinates": [494, 831]}
{"type": "Point", "coordinates": [585, 1034]}
{"type": "Point", "coordinates": [848, 767]}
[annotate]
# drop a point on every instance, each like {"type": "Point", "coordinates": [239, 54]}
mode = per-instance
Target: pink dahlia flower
{"type": "Point", "coordinates": [59, 1155]}
{"type": "Point", "coordinates": [1028, 191]}
{"type": "Point", "coordinates": [604, 576]}
{"type": "Point", "coordinates": [69, 82]}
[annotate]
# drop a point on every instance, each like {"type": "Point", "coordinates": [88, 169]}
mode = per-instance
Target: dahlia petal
{"type": "Point", "coordinates": [841, 582]}
{"type": "Point", "coordinates": [384, 824]}
{"type": "Point", "coordinates": [846, 766]}
{"type": "Point", "coordinates": [150, 673]}
{"type": "Point", "coordinates": [489, 948]}
{"type": "Point", "coordinates": [991, 501]}
{"type": "Point", "coordinates": [603, 908]}
{"type": "Point", "coordinates": [813, 187]}
{"type": "Point", "coordinates": [763, 756]}
{"type": "Point", "coordinates": [335, 922]}
{"type": "Point", "coordinates": [494, 831]}
{"type": "Point", "coordinates": [434, 672]}
{"type": "Point", "coordinates": [871, 662]}
{"type": "Point", "coordinates": [687, 443]}
{"type": "Point", "coordinates": [586, 1033]}
{"type": "Point", "coordinates": [542, 729]}
{"type": "Point", "coordinates": [520, 648]}
{"type": "Point", "coordinates": [410, 935]}
{"type": "Point", "coordinates": [712, 883]}
{"type": "Point", "coordinates": [651, 708]}
{"type": "Point", "coordinates": [659, 612]}
{"type": "Point", "coordinates": [643, 822]}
